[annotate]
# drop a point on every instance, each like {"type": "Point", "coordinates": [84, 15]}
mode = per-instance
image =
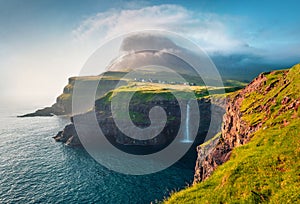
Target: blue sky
{"type": "Point", "coordinates": [42, 43]}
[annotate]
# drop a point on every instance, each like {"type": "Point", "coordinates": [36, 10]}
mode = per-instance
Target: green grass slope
{"type": "Point", "coordinates": [267, 169]}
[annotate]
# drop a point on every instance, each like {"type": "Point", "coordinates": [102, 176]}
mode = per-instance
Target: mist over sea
{"type": "Point", "coordinates": [34, 168]}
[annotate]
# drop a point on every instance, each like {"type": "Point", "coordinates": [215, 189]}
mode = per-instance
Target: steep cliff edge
{"type": "Point", "coordinates": [235, 132]}
{"type": "Point", "coordinates": [255, 158]}
{"type": "Point", "coordinates": [63, 105]}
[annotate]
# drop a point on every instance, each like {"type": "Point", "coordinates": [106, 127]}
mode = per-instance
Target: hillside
{"type": "Point", "coordinates": [256, 158]}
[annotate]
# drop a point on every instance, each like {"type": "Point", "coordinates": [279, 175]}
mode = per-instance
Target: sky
{"type": "Point", "coordinates": [42, 43]}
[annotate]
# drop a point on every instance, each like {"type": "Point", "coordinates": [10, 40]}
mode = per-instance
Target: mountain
{"type": "Point", "coordinates": [255, 157]}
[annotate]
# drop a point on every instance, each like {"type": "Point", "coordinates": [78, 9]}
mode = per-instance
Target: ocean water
{"type": "Point", "coordinates": [36, 169]}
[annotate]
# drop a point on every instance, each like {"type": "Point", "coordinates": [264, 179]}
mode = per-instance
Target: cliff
{"type": "Point", "coordinates": [139, 108]}
{"type": "Point", "coordinates": [148, 91]}
{"type": "Point", "coordinates": [63, 104]}
{"type": "Point", "coordinates": [235, 132]}
{"type": "Point", "coordinates": [255, 157]}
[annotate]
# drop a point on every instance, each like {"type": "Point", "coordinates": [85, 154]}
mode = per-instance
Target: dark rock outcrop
{"type": "Point", "coordinates": [48, 112]}
{"type": "Point", "coordinates": [68, 136]}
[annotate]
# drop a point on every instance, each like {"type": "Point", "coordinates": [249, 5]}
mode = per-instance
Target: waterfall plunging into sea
{"type": "Point", "coordinates": [186, 138]}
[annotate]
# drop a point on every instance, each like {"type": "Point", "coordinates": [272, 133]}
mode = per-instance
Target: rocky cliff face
{"type": "Point", "coordinates": [63, 104]}
{"type": "Point", "coordinates": [235, 130]}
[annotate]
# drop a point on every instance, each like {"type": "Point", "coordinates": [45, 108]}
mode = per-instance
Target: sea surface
{"type": "Point", "coordinates": [36, 169]}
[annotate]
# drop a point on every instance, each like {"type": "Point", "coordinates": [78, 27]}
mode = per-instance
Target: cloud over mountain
{"type": "Point", "coordinates": [208, 30]}
{"type": "Point", "coordinates": [222, 36]}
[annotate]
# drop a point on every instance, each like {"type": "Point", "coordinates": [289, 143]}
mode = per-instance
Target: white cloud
{"type": "Point", "coordinates": [209, 31]}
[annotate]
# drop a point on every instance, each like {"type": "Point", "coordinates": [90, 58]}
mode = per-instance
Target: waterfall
{"type": "Point", "coordinates": [187, 125]}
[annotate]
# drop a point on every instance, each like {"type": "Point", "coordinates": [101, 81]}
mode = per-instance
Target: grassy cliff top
{"type": "Point", "coordinates": [149, 91]}
{"type": "Point", "coordinates": [145, 83]}
{"type": "Point", "coordinates": [267, 169]}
